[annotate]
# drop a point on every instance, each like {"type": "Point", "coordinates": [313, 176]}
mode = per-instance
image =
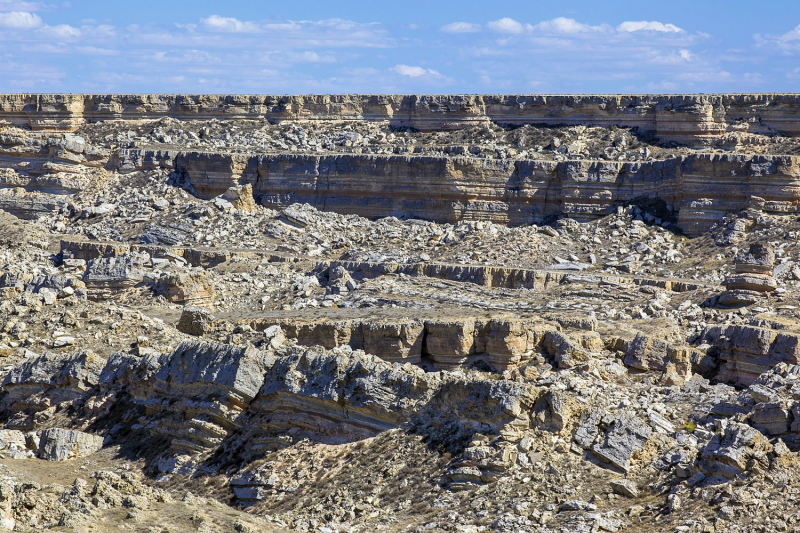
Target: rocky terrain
{"type": "Point", "coordinates": [352, 314]}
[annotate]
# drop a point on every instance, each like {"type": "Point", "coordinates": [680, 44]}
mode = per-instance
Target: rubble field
{"type": "Point", "coordinates": [182, 348]}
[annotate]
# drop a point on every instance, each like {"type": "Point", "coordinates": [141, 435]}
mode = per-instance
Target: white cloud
{"type": "Point", "coordinates": [704, 76]}
{"type": "Point", "coordinates": [229, 25]}
{"type": "Point", "coordinates": [461, 27]}
{"type": "Point", "coordinates": [102, 31]}
{"type": "Point", "coordinates": [310, 57]}
{"type": "Point", "coordinates": [653, 25]}
{"type": "Point", "coordinates": [61, 31]}
{"type": "Point", "coordinates": [793, 35]}
{"type": "Point", "coordinates": [506, 25]}
{"type": "Point", "coordinates": [787, 42]}
{"type": "Point", "coordinates": [565, 25]}
{"type": "Point", "coordinates": [676, 57]}
{"type": "Point", "coordinates": [283, 26]}
{"type": "Point", "coordinates": [19, 20]}
{"type": "Point", "coordinates": [414, 71]}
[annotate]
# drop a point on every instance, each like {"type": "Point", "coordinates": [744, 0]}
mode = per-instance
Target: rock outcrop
{"type": "Point", "coordinates": [112, 276]}
{"type": "Point", "coordinates": [444, 189]}
{"type": "Point", "coordinates": [746, 352]}
{"type": "Point", "coordinates": [189, 288]}
{"type": "Point", "coordinates": [450, 189]}
{"type": "Point", "coordinates": [59, 444]}
{"type": "Point", "coordinates": [681, 118]}
{"type": "Point", "coordinates": [499, 343]}
{"type": "Point", "coordinates": [753, 276]}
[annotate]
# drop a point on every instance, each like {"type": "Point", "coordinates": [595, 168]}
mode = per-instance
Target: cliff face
{"type": "Point", "coordinates": [686, 119]}
{"type": "Point", "coordinates": [701, 155]}
{"type": "Point", "coordinates": [700, 188]}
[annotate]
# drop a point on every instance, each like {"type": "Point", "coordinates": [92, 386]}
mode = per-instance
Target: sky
{"type": "Point", "coordinates": [399, 47]}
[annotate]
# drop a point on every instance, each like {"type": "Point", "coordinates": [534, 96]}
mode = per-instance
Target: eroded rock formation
{"type": "Point", "coordinates": [445, 313]}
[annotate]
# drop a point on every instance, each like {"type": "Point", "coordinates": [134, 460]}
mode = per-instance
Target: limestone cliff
{"type": "Point", "coordinates": [681, 118]}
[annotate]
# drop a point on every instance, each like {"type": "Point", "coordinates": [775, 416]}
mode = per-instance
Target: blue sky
{"type": "Point", "coordinates": [410, 46]}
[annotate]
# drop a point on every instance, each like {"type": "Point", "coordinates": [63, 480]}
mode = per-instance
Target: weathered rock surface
{"type": "Point", "coordinates": [59, 444]}
{"type": "Point", "coordinates": [746, 352]}
{"type": "Point", "coordinates": [188, 288]}
{"type": "Point", "coordinates": [111, 276]}
{"type": "Point", "coordinates": [517, 337]}
{"type": "Point", "coordinates": [195, 320]}
{"type": "Point", "coordinates": [738, 449]}
{"type": "Point", "coordinates": [753, 276]}
{"type": "Point", "coordinates": [674, 117]}
{"type": "Point", "coordinates": [523, 192]}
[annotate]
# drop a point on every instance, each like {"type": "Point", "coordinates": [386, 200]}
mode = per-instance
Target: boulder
{"type": "Point", "coordinates": [14, 444]}
{"type": "Point", "coordinates": [190, 288]}
{"type": "Point", "coordinates": [195, 320]}
{"type": "Point", "coordinates": [107, 277]}
{"type": "Point", "coordinates": [625, 436]}
{"type": "Point", "coordinates": [59, 444]}
{"type": "Point", "coordinates": [241, 197]}
{"type": "Point", "coordinates": [737, 449]}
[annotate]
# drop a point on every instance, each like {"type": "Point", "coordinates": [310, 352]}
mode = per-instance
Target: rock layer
{"type": "Point", "coordinates": [681, 118]}
{"type": "Point", "coordinates": [450, 189]}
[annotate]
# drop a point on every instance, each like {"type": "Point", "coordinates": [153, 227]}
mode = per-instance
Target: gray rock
{"type": "Point", "coordinates": [107, 276]}
{"type": "Point", "coordinates": [625, 487]}
{"type": "Point", "coordinates": [14, 444]}
{"type": "Point", "coordinates": [625, 436]}
{"type": "Point", "coordinates": [739, 448]}
{"type": "Point", "coordinates": [59, 444]}
{"type": "Point", "coordinates": [577, 505]}
{"type": "Point", "coordinates": [195, 320]}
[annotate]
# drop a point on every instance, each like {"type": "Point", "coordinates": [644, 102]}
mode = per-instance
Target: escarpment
{"type": "Point", "coordinates": [510, 189]}
{"type": "Point", "coordinates": [700, 189]}
{"type": "Point", "coordinates": [399, 313]}
{"type": "Point", "coordinates": [680, 118]}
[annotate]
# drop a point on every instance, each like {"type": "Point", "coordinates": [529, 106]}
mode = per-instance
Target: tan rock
{"type": "Point", "coordinates": [191, 288]}
{"type": "Point", "coordinates": [241, 197]}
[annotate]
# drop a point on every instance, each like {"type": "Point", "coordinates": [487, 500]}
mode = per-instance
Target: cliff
{"type": "Point", "coordinates": [700, 188]}
{"type": "Point", "coordinates": [680, 118]}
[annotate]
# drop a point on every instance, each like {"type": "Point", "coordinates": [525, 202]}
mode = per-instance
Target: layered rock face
{"type": "Point", "coordinates": [500, 343]}
{"type": "Point", "coordinates": [682, 118]}
{"type": "Point", "coordinates": [753, 276]}
{"type": "Point", "coordinates": [748, 351]}
{"type": "Point", "coordinates": [515, 336]}
{"type": "Point", "coordinates": [39, 172]}
{"type": "Point", "coordinates": [204, 397]}
{"type": "Point", "coordinates": [507, 192]}
{"type": "Point", "coordinates": [444, 189]}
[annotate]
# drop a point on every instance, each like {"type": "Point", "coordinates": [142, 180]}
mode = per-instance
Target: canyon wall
{"type": "Point", "coordinates": [38, 175]}
{"type": "Point", "coordinates": [700, 188]}
{"type": "Point", "coordinates": [688, 119]}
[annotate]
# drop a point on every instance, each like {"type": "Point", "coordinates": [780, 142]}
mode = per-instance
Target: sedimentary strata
{"type": "Point", "coordinates": [386, 313]}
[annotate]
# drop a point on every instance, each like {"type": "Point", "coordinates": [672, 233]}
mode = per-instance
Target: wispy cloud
{"type": "Point", "coordinates": [60, 32]}
{"type": "Point", "coordinates": [20, 5]}
{"type": "Point", "coordinates": [461, 27]}
{"type": "Point", "coordinates": [566, 26]}
{"type": "Point", "coordinates": [783, 43]}
{"type": "Point", "coordinates": [19, 20]}
{"type": "Point", "coordinates": [653, 25]}
{"type": "Point", "coordinates": [415, 71]}
{"type": "Point", "coordinates": [506, 25]}
{"type": "Point", "coordinates": [228, 25]}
